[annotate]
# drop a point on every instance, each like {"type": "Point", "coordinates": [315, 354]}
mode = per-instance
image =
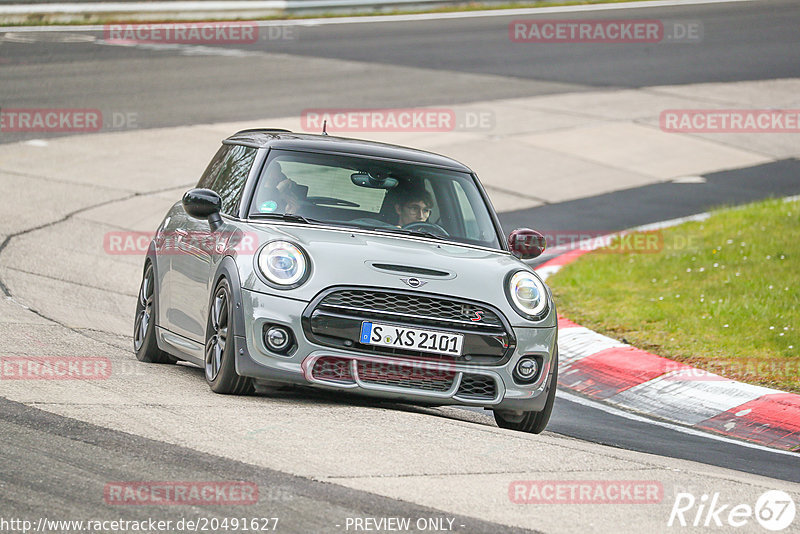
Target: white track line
{"type": "Point", "coordinates": [571, 397]}
{"type": "Point", "coordinates": [403, 18]}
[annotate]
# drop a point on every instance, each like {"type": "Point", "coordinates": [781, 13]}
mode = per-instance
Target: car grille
{"type": "Point", "coordinates": [403, 376]}
{"type": "Point", "coordinates": [335, 317]}
{"type": "Point", "coordinates": [333, 369]}
{"type": "Point", "coordinates": [416, 378]}
{"type": "Point", "coordinates": [430, 309]}
{"type": "Point", "coordinates": [477, 387]}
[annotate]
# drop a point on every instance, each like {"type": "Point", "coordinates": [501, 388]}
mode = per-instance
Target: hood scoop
{"type": "Point", "coordinates": [408, 270]}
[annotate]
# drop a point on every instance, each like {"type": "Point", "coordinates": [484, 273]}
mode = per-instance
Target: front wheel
{"type": "Point", "coordinates": [533, 422]}
{"type": "Point", "coordinates": [220, 367]}
{"type": "Point", "coordinates": [144, 325]}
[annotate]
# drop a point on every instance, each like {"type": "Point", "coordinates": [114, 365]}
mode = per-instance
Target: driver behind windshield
{"type": "Point", "coordinates": [413, 205]}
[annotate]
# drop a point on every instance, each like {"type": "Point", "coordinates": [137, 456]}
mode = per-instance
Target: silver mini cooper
{"type": "Point", "coordinates": [352, 266]}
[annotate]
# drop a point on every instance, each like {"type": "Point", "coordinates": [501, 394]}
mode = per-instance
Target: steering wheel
{"type": "Point", "coordinates": [430, 227]}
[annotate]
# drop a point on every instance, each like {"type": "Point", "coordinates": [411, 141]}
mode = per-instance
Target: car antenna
{"type": "Point", "coordinates": [324, 124]}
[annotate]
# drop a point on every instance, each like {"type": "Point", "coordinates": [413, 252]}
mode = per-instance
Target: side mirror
{"type": "Point", "coordinates": [526, 244]}
{"type": "Point", "coordinates": [203, 204]}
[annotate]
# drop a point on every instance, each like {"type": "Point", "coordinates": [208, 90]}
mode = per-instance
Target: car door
{"type": "Point", "coordinates": [176, 228]}
{"type": "Point", "coordinates": [197, 246]}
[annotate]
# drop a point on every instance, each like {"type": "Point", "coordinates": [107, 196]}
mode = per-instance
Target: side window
{"type": "Point", "coordinates": [232, 175]}
{"type": "Point", "coordinates": [212, 171]}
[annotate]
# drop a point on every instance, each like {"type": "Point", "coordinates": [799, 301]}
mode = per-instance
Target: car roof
{"type": "Point", "coordinates": [285, 139]}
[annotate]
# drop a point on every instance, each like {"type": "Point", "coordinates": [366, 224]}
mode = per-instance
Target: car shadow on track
{"type": "Point", "coordinates": [310, 396]}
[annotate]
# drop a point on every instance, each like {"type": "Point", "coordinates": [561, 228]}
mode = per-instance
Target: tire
{"type": "Point", "coordinates": [533, 422]}
{"type": "Point", "coordinates": [144, 324]}
{"type": "Point", "coordinates": [220, 365]}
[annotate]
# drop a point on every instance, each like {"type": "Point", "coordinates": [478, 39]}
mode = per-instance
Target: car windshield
{"type": "Point", "coordinates": [386, 196]}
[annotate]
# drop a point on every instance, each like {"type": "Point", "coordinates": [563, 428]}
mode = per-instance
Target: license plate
{"type": "Point", "coordinates": [401, 337]}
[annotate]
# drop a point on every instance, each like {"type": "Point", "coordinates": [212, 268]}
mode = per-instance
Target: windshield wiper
{"type": "Point", "coordinates": [291, 217]}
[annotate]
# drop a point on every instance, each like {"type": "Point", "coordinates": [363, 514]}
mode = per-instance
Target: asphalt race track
{"type": "Point", "coordinates": [413, 63]}
{"type": "Point", "coordinates": [319, 459]}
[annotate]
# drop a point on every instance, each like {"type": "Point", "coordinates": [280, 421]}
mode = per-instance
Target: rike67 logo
{"type": "Point", "coordinates": [774, 510]}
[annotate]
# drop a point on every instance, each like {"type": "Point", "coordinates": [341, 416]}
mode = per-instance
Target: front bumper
{"type": "Point", "coordinates": [414, 380]}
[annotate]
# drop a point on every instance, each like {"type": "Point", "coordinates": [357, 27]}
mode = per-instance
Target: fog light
{"type": "Point", "coordinates": [526, 369]}
{"type": "Point", "coordinates": [277, 338]}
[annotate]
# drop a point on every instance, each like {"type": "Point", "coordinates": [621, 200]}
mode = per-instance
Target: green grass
{"type": "Point", "coordinates": [722, 294]}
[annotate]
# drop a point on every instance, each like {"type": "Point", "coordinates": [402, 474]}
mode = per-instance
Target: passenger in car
{"type": "Point", "coordinates": [279, 193]}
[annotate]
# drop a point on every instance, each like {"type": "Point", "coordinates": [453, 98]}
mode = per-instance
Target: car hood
{"type": "Point", "coordinates": [357, 258]}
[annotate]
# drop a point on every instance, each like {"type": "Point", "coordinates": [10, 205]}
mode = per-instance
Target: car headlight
{"type": "Point", "coordinates": [283, 263]}
{"type": "Point", "coordinates": [527, 294]}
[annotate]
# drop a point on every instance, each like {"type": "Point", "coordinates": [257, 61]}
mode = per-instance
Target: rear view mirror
{"type": "Point", "coordinates": [364, 179]}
